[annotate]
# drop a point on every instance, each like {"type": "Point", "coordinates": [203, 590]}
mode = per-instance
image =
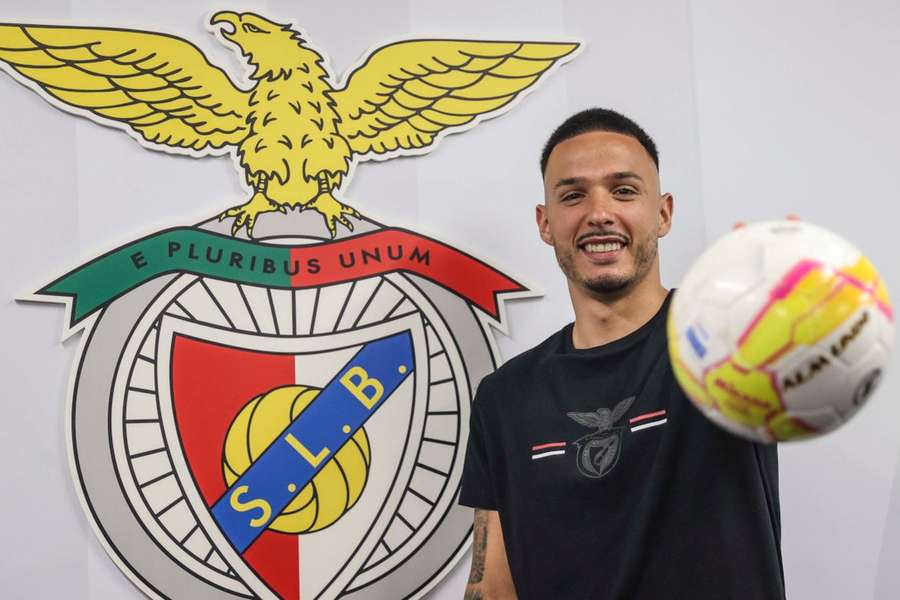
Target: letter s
{"type": "Point", "coordinates": [236, 504]}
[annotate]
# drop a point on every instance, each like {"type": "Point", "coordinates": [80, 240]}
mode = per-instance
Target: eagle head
{"type": "Point", "coordinates": [271, 48]}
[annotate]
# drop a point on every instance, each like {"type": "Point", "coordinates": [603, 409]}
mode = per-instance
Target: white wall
{"type": "Point", "coordinates": [798, 113]}
{"type": "Point", "coordinates": [758, 111]}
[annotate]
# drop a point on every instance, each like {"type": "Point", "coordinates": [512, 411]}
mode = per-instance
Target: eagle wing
{"type": "Point", "coordinates": [621, 408]}
{"type": "Point", "coordinates": [160, 86]}
{"type": "Point", "coordinates": [588, 419]}
{"type": "Point", "coordinates": [405, 94]}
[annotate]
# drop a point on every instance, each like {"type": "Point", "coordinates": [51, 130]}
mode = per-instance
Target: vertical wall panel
{"type": "Point", "coordinates": [45, 532]}
{"type": "Point", "coordinates": [798, 113]}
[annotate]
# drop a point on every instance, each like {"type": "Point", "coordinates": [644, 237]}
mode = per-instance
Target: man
{"type": "Point", "coordinates": [591, 473]}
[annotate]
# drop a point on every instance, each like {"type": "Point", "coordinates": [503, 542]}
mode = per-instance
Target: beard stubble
{"type": "Point", "coordinates": [613, 283]}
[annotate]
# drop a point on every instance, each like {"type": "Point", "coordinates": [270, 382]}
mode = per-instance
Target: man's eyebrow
{"type": "Point", "coordinates": [569, 181]}
{"type": "Point", "coordinates": [625, 175]}
{"type": "Point", "coordinates": [617, 176]}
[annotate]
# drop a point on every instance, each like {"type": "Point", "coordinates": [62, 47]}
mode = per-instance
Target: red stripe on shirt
{"type": "Point", "coordinates": [550, 445]}
{"type": "Point", "coordinates": [644, 417]}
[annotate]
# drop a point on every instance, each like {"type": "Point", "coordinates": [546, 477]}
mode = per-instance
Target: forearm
{"type": "Point", "coordinates": [489, 577]}
{"type": "Point", "coordinates": [475, 587]}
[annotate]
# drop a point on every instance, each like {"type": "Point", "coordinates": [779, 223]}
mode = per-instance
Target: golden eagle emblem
{"type": "Point", "coordinates": [296, 132]}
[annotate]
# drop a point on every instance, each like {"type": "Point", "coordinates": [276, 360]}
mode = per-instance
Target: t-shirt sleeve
{"type": "Point", "coordinates": [478, 485]}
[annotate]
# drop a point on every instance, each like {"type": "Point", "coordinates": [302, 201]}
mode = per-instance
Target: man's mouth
{"type": "Point", "coordinates": [602, 248]}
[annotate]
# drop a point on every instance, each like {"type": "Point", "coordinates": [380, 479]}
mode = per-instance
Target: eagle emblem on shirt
{"type": "Point", "coordinates": [294, 130]}
{"type": "Point", "coordinates": [598, 452]}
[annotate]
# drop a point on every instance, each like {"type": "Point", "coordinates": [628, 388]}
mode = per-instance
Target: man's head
{"type": "Point", "coordinates": [603, 212]}
{"type": "Point", "coordinates": [598, 119]}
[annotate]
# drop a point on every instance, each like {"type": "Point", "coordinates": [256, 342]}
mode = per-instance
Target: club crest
{"type": "Point", "coordinates": [274, 403]}
{"type": "Point", "coordinates": [598, 452]}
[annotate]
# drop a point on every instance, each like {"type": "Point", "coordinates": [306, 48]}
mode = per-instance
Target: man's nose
{"type": "Point", "coordinates": [601, 208]}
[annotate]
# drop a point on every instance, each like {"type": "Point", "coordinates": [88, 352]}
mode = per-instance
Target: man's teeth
{"type": "Point", "coordinates": [608, 247]}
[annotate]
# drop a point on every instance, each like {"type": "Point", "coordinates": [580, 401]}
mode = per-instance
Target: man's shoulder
{"type": "Point", "coordinates": [530, 362]}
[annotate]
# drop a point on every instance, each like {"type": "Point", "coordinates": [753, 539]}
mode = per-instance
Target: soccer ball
{"type": "Point", "coordinates": [780, 331]}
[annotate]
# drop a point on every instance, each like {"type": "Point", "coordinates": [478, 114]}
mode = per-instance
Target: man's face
{"type": "Point", "coordinates": [602, 211]}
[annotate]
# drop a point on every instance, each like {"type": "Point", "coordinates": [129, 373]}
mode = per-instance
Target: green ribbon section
{"type": "Point", "coordinates": [182, 249]}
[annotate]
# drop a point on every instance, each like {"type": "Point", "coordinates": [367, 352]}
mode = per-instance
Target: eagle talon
{"type": "Point", "coordinates": [246, 214]}
{"type": "Point", "coordinates": [333, 211]}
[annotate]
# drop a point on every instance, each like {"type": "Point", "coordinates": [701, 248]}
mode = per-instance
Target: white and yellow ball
{"type": "Point", "coordinates": [780, 331]}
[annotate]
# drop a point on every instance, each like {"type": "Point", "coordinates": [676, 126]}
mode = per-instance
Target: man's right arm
{"type": "Point", "coordinates": [489, 578]}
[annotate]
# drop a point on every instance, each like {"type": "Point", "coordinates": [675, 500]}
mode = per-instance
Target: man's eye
{"type": "Point", "coordinates": [625, 191]}
{"type": "Point", "coordinates": [570, 196]}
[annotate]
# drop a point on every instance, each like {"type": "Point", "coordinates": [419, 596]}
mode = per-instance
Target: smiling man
{"type": "Point", "coordinates": [592, 475]}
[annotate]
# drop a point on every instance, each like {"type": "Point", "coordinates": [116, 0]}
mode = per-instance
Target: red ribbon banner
{"type": "Point", "coordinates": [391, 250]}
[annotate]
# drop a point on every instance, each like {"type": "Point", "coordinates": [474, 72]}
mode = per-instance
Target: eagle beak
{"type": "Point", "coordinates": [229, 22]}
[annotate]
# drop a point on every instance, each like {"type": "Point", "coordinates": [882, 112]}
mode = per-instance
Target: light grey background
{"type": "Point", "coordinates": [760, 109]}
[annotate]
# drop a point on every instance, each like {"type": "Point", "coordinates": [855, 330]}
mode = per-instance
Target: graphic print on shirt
{"type": "Point", "coordinates": [598, 452]}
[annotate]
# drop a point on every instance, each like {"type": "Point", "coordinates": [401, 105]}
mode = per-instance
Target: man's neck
{"type": "Point", "coordinates": [603, 319]}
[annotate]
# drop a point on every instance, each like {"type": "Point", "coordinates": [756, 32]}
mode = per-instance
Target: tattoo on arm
{"type": "Point", "coordinates": [472, 595]}
{"type": "Point", "coordinates": [479, 545]}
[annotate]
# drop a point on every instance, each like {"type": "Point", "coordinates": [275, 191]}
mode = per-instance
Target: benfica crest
{"type": "Point", "coordinates": [274, 403]}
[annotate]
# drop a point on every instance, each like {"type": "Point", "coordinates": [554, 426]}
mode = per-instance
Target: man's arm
{"type": "Point", "coordinates": [489, 578]}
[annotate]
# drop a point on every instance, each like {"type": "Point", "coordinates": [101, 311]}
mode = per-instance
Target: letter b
{"type": "Point", "coordinates": [367, 390]}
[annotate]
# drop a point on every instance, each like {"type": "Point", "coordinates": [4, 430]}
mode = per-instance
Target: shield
{"type": "Point", "coordinates": [207, 375]}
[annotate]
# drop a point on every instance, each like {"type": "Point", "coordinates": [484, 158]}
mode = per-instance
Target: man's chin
{"type": "Point", "coordinates": [595, 279]}
{"type": "Point", "coordinates": [607, 284]}
{"type": "Point", "coordinates": [608, 288]}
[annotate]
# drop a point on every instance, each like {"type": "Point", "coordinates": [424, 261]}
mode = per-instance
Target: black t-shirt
{"type": "Point", "coordinates": [611, 485]}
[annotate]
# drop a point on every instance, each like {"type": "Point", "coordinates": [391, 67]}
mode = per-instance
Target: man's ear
{"type": "Point", "coordinates": [666, 206]}
{"type": "Point", "coordinates": [540, 217]}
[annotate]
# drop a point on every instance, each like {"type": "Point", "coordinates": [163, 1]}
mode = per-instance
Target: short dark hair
{"type": "Point", "coordinates": [598, 119]}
